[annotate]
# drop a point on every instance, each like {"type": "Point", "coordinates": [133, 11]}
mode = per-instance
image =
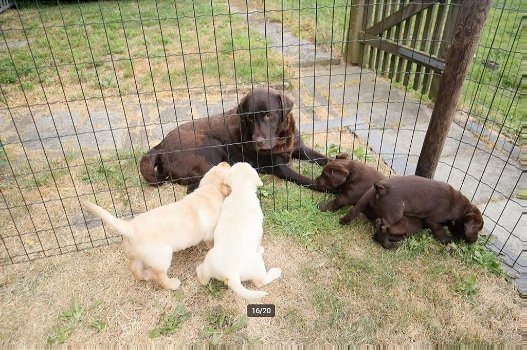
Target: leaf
{"type": "Point", "coordinates": [99, 325]}
{"type": "Point", "coordinates": [154, 333]}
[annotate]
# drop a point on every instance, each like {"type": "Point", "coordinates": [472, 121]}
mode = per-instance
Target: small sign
{"type": "Point", "coordinates": [260, 310]}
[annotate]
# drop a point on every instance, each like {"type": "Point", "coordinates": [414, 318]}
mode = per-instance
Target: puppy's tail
{"type": "Point", "coordinates": [150, 168]}
{"type": "Point", "coordinates": [121, 226]}
{"type": "Point", "coordinates": [236, 285]}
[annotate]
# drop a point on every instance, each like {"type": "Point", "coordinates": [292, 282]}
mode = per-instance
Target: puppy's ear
{"type": "Point", "coordinates": [380, 188]}
{"type": "Point", "coordinates": [225, 189]}
{"type": "Point", "coordinates": [338, 175]}
{"type": "Point", "coordinates": [257, 181]}
{"type": "Point", "coordinates": [227, 180]}
{"type": "Point", "coordinates": [473, 224]}
{"type": "Point", "coordinates": [343, 155]}
{"type": "Point", "coordinates": [224, 165]}
{"type": "Point", "coordinates": [287, 106]}
{"type": "Point", "coordinates": [243, 108]}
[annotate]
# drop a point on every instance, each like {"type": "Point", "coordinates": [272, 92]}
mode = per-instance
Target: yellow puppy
{"type": "Point", "coordinates": [237, 254]}
{"type": "Point", "coordinates": [152, 237]}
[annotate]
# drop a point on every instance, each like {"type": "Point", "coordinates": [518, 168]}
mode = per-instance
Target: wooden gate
{"type": "Point", "coordinates": [406, 41]}
{"type": "Point", "coordinates": [5, 4]}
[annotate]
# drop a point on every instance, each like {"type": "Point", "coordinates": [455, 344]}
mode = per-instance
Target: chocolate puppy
{"type": "Point", "coordinates": [349, 179]}
{"type": "Point", "coordinates": [435, 202]}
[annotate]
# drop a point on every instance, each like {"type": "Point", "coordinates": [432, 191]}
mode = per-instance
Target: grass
{"type": "Point", "coordinates": [121, 44]}
{"type": "Point", "coordinates": [216, 289]}
{"type": "Point", "coordinates": [323, 20]}
{"type": "Point", "coordinates": [70, 320]}
{"type": "Point", "coordinates": [338, 285]}
{"type": "Point", "coordinates": [490, 93]}
{"type": "Point", "coordinates": [170, 322]}
{"type": "Point", "coordinates": [224, 324]}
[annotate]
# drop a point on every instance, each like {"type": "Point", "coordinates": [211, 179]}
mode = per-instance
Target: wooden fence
{"type": "Point", "coordinates": [5, 4]}
{"type": "Point", "coordinates": [406, 41]}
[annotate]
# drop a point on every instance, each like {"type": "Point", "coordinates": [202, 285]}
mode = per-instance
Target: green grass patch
{"type": "Point", "coordinates": [224, 325]}
{"type": "Point", "coordinates": [170, 322]}
{"type": "Point", "coordinates": [467, 287]}
{"type": "Point", "coordinates": [117, 171]}
{"type": "Point", "coordinates": [323, 20]}
{"type": "Point", "coordinates": [128, 32]}
{"type": "Point", "coordinates": [216, 289]}
{"type": "Point", "coordinates": [68, 321]}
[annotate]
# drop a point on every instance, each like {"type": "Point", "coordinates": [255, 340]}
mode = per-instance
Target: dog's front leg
{"type": "Point", "coordinates": [203, 277]}
{"type": "Point", "coordinates": [352, 215]}
{"type": "Point", "coordinates": [283, 171]}
{"type": "Point", "coordinates": [334, 204]}
{"type": "Point", "coordinates": [306, 153]}
{"type": "Point", "coordinates": [440, 233]}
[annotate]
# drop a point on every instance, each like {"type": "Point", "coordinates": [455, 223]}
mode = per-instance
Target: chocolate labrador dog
{"type": "Point", "coordinates": [260, 130]}
{"type": "Point", "coordinates": [350, 179]}
{"type": "Point", "coordinates": [435, 202]}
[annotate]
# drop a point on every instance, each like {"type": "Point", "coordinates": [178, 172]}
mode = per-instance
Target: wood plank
{"type": "Point", "coordinates": [401, 64]}
{"type": "Point", "coordinates": [354, 48]}
{"type": "Point", "coordinates": [397, 37]}
{"type": "Point", "coordinates": [389, 35]}
{"type": "Point", "coordinates": [434, 44]}
{"type": "Point", "coordinates": [416, 56]}
{"type": "Point", "coordinates": [464, 43]}
{"type": "Point", "coordinates": [374, 17]}
{"type": "Point", "coordinates": [423, 47]}
{"type": "Point", "coordinates": [452, 17]}
{"type": "Point", "coordinates": [399, 16]}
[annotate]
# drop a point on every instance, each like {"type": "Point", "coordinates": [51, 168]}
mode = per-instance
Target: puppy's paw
{"type": "Point", "coordinates": [445, 240]}
{"type": "Point", "coordinates": [324, 206]}
{"type": "Point", "coordinates": [173, 283]}
{"type": "Point", "coordinates": [344, 220]}
{"type": "Point", "coordinates": [202, 279]}
{"type": "Point", "coordinates": [275, 273]}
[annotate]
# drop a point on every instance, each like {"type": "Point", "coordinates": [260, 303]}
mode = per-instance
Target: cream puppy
{"type": "Point", "coordinates": [237, 254]}
{"type": "Point", "coordinates": [152, 237]}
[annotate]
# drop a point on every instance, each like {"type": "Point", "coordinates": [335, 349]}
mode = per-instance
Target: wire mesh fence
{"type": "Point", "coordinates": [86, 88]}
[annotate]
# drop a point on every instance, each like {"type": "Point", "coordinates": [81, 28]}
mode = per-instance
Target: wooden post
{"type": "Point", "coordinates": [355, 48]}
{"type": "Point", "coordinates": [460, 53]}
{"type": "Point", "coordinates": [448, 34]}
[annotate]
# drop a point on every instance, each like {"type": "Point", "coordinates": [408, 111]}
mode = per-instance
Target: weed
{"type": "Point", "coordinates": [361, 154]}
{"type": "Point", "coordinates": [467, 287]}
{"type": "Point", "coordinates": [75, 313]}
{"type": "Point", "coordinates": [223, 323]}
{"type": "Point", "coordinates": [103, 173]}
{"type": "Point", "coordinates": [216, 288]}
{"type": "Point", "coordinates": [170, 322]}
{"type": "Point", "coordinates": [479, 254]}
{"type": "Point", "coordinates": [419, 243]}
{"type": "Point", "coordinates": [99, 325]}
{"type": "Point", "coordinates": [69, 321]}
